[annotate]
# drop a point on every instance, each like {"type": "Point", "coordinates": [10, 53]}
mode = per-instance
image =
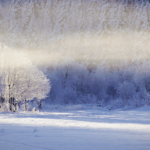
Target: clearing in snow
{"type": "Point", "coordinates": [76, 130]}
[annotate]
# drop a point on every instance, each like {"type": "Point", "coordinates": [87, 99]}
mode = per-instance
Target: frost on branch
{"type": "Point", "coordinates": [20, 80]}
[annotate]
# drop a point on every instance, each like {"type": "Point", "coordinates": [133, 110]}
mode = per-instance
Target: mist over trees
{"type": "Point", "coordinates": [92, 51]}
{"type": "Point", "coordinates": [92, 32]}
{"type": "Point", "coordinates": [76, 84]}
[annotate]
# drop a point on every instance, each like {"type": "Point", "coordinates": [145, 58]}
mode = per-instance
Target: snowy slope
{"type": "Point", "coordinates": [76, 130]}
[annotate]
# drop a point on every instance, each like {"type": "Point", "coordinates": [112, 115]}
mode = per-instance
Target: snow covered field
{"type": "Point", "coordinates": [95, 129]}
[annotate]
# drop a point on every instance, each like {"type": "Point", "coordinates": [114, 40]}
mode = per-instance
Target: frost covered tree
{"type": "Point", "coordinates": [21, 80]}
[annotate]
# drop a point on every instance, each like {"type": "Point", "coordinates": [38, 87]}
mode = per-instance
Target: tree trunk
{"type": "Point", "coordinates": [13, 103]}
{"type": "Point", "coordinates": [39, 104]}
{"type": "Point", "coordinates": [10, 100]}
{"type": "Point", "coordinates": [25, 107]}
{"type": "Point", "coordinates": [10, 104]}
{"type": "Point", "coordinates": [16, 106]}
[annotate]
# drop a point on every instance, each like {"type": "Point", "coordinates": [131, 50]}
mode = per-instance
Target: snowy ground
{"type": "Point", "coordinates": [96, 129]}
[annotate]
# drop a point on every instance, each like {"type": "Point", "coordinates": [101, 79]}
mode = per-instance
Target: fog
{"type": "Point", "coordinates": [91, 50]}
{"type": "Point", "coordinates": [92, 31]}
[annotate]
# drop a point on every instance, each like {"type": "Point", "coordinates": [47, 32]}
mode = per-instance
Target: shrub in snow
{"type": "Point", "coordinates": [21, 80]}
{"type": "Point", "coordinates": [75, 84]}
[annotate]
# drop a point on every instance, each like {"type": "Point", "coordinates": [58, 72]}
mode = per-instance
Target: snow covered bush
{"type": "Point", "coordinates": [93, 51]}
{"type": "Point", "coordinates": [75, 84]}
{"type": "Point", "coordinates": [21, 80]}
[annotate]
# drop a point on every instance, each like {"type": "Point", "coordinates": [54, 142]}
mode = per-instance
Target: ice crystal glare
{"type": "Point", "coordinates": [91, 31]}
{"type": "Point", "coordinates": [10, 58]}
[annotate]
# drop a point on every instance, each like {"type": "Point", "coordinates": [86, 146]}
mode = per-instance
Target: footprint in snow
{"type": "Point", "coordinates": [34, 131]}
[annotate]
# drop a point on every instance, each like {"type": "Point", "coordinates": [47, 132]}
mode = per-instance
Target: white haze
{"type": "Point", "coordinates": [98, 31]}
{"type": "Point", "coordinates": [93, 51]}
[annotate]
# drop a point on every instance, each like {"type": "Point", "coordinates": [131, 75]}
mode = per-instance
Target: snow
{"type": "Point", "coordinates": [76, 130]}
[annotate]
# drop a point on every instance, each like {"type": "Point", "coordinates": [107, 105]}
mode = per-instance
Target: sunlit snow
{"type": "Point", "coordinates": [82, 130]}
